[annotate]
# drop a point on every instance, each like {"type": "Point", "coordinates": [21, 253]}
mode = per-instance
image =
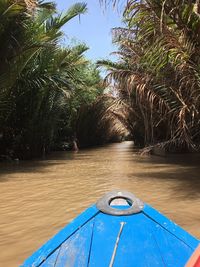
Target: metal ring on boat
{"type": "Point", "coordinates": [103, 204]}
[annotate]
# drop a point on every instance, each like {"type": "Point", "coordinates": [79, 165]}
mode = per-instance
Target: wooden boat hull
{"type": "Point", "coordinates": [144, 238]}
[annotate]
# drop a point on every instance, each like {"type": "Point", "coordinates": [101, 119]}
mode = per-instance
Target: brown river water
{"type": "Point", "coordinates": [37, 198]}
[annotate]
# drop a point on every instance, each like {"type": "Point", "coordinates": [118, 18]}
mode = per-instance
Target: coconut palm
{"type": "Point", "coordinates": [158, 71]}
{"type": "Point", "coordinates": [37, 76]}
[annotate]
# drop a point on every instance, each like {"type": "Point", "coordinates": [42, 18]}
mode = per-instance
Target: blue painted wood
{"type": "Point", "coordinates": [106, 229]}
{"type": "Point", "coordinates": [137, 246]}
{"type": "Point", "coordinates": [51, 260]}
{"type": "Point", "coordinates": [147, 239]}
{"type": "Point", "coordinates": [174, 251]}
{"type": "Point", "coordinates": [75, 250]}
{"type": "Point", "coordinates": [42, 254]}
{"type": "Point", "coordinates": [171, 226]}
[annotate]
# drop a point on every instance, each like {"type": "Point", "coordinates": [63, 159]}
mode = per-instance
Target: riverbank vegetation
{"type": "Point", "coordinates": [101, 122]}
{"type": "Point", "coordinates": [158, 72]}
{"type": "Point", "coordinates": [43, 85]}
{"type": "Point", "coordinates": [51, 95]}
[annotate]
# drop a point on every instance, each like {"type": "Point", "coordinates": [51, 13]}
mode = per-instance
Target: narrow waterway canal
{"type": "Point", "coordinates": [37, 198]}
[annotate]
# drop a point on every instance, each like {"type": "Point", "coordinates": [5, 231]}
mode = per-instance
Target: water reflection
{"type": "Point", "coordinates": [39, 197]}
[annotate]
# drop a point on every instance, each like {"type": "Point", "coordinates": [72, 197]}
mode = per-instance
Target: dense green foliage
{"type": "Point", "coordinates": [158, 73]}
{"type": "Point", "coordinates": [42, 85]}
{"type": "Point", "coordinates": [50, 93]}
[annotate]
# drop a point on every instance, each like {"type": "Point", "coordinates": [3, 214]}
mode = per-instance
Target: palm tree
{"type": "Point", "coordinates": [158, 71]}
{"type": "Point", "coordinates": [36, 74]}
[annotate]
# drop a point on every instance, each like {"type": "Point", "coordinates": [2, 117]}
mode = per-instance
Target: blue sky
{"type": "Point", "coordinates": [94, 28]}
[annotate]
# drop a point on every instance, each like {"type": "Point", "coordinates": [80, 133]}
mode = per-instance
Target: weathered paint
{"type": "Point", "coordinates": [95, 239]}
{"type": "Point", "coordinates": [170, 226]}
{"type": "Point", "coordinates": [47, 249]}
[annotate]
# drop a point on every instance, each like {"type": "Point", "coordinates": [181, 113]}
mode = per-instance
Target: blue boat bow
{"type": "Point", "coordinates": [124, 236]}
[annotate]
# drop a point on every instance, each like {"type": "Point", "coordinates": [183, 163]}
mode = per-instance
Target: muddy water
{"type": "Point", "coordinates": [38, 198]}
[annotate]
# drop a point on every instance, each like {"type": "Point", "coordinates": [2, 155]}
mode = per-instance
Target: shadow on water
{"type": "Point", "coordinates": [34, 166]}
{"type": "Point", "coordinates": [187, 180]}
{"type": "Point", "coordinates": [38, 166]}
{"type": "Point", "coordinates": [23, 168]}
{"type": "Point", "coordinates": [37, 197]}
{"type": "Point", "coordinates": [184, 169]}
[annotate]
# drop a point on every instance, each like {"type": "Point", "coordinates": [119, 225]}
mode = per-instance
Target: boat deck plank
{"type": "Point", "coordinates": [174, 251]}
{"type": "Point", "coordinates": [51, 260]}
{"type": "Point", "coordinates": [170, 226]}
{"type": "Point", "coordinates": [75, 250]}
{"type": "Point", "coordinates": [105, 233]}
{"type": "Point", "coordinates": [95, 239]}
{"type": "Point", "coordinates": [48, 248]}
{"type": "Point", "coordinates": [140, 248]}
